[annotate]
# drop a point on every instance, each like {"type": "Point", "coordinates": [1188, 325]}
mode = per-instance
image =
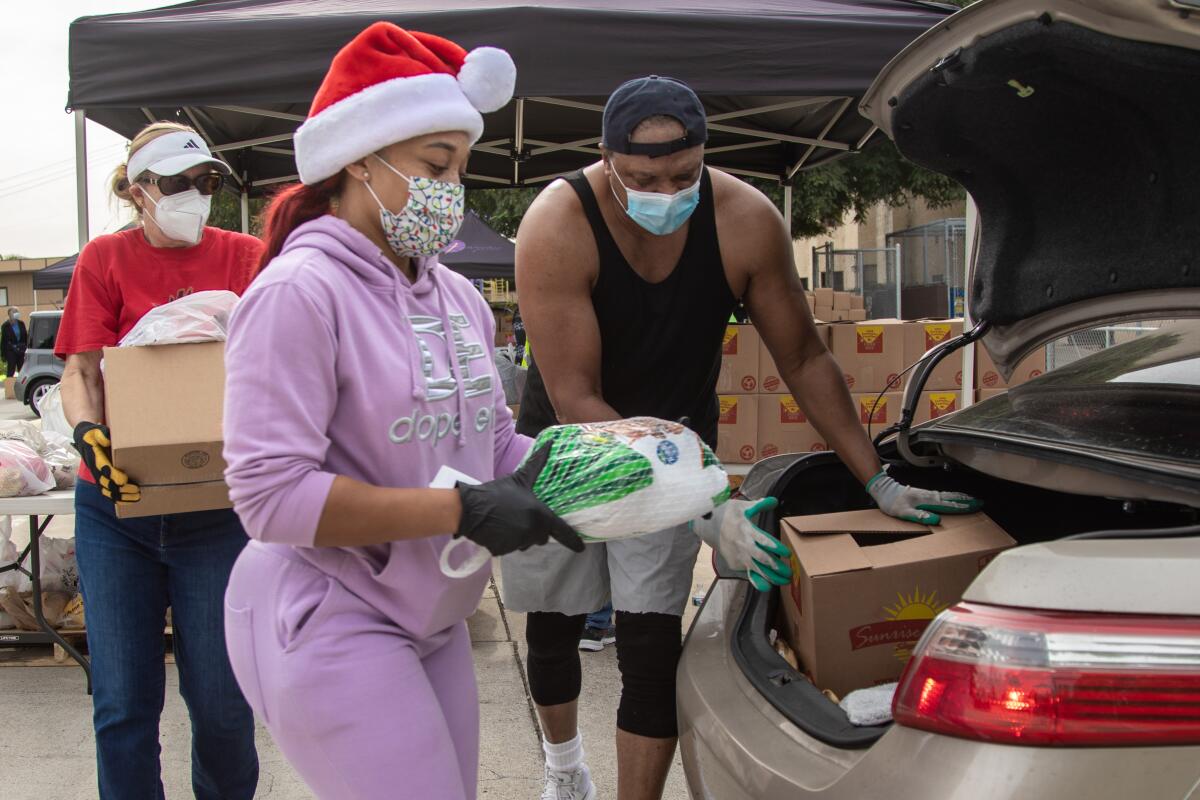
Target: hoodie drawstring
{"type": "Point", "coordinates": [455, 367]}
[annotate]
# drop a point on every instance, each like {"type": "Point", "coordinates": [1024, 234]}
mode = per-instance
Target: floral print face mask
{"type": "Point", "coordinates": [429, 220]}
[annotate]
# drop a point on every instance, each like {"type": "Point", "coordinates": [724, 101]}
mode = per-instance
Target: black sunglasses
{"type": "Point", "coordinates": [208, 183]}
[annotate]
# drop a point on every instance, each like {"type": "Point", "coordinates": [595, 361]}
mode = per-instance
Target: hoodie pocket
{"type": "Point", "coordinates": [243, 657]}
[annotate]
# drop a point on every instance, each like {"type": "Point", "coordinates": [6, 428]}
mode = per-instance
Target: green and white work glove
{"type": "Point", "coordinates": [745, 546]}
{"type": "Point", "coordinates": [917, 505]}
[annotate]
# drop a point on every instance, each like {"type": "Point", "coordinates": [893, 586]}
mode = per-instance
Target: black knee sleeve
{"type": "Point", "coordinates": [553, 662]}
{"type": "Point", "coordinates": [648, 649]}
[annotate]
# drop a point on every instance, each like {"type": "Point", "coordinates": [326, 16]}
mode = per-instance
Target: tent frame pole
{"type": "Point", "coordinates": [787, 208]}
{"type": "Point", "coordinates": [81, 177]}
{"type": "Point", "coordinates": [968, 352]}
{"type": "Point", "coordinates": [245, 197]}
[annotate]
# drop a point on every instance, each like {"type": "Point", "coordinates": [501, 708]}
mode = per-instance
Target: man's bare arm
{"type": "Point", "coordinates": [556, 267]}
{"type": "Point", "coordinates": [775, 299]}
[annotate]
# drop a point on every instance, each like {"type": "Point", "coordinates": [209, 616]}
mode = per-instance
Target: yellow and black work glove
{"type": "Point", "coordinates": [95, 447]}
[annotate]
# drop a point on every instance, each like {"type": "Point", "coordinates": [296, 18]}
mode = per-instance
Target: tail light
{"type": "Point", "coordinates": [1055, 679]}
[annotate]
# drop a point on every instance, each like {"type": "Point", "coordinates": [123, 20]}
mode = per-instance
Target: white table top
{"type": "Point", "coordinates": [60, 501]}
{"type": "Point", "coordinates": [730, 469]}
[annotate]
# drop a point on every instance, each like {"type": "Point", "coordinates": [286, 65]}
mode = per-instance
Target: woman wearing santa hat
{"type": "Point", "coordinates": [346, 638]}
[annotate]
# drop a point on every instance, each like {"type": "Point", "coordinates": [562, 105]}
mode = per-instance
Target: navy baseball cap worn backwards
{"type": "Point", "coordinates": [641, 98]}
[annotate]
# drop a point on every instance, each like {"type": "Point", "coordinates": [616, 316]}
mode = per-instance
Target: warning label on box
{"type": "Point", "coordinates": [942, 403]}
{"type": "Point", "coordinates": [872, 410]}
{"type": "Point", "coordinates": [730, 345]}
{"type": "Point", "coordinates": [936, 333]}
{"type": "Point", "coordinates": [729, 409]}
{"type": "Point", "coordinates": [789, 411]}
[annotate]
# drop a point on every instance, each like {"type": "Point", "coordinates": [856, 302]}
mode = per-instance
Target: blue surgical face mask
{"type": "Point", "coordinates": [659, 213]}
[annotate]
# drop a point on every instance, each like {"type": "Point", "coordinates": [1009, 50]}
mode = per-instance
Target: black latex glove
{"type": "Point", "coordinates": [504, 515]}
{"type": "Point", "coordinates": [94, 444]}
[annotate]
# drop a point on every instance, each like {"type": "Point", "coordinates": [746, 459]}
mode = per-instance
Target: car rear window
{"type": "Point", "coordinates": [43, 331]}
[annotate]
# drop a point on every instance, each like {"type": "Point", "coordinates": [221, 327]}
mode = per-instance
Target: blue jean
{"type": "Point", "coordinates": [130, 571]}
{"type": "Point", "coordinates": [601, 620]}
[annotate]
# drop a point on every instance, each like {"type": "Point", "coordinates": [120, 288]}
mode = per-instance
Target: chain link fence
{"type": "Point", "coordinates": [1085, 343]}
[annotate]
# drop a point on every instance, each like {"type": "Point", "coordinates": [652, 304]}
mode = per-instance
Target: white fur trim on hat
{"type": "Point", "coordinates": [380, 115]}
{"type": "Point", "coordinates": [488, 78]}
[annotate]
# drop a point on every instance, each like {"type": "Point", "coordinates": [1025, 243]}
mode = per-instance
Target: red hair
{"type": "Point", "coordinates": [290, 208]}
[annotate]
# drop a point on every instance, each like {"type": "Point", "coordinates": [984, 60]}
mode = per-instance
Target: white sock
{"type": "Point", "coordinates": [565, 757]}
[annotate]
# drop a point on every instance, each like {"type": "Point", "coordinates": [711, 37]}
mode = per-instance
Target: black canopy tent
{"type": "Point", "coordinates": [477, 252]}
{"type": "Point", "coordinates": [779, 78]}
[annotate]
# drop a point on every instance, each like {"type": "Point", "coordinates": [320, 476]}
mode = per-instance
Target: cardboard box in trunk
{"type": "Point", "coordinates": [922, 335]}
{"type": "Point", "coordinates": [878, 412]}
{"type": "Point", "coordinates": [871, 354]}
{"type": "Point", "coordinates": [165, 406]}
{"type": "Point", "coordinates": [739, 360]}
{"type": "Point", "coordinates": [866, 585]}
{"type": "Point", "coordinates": [783, 427]}
{"type": "Point", "coordinates": [936, 404]}
{"type": "Point", "coordinates": [737, 431]}
{"type": "Point", "coordinates": [986, 376]}
{"type": "Point", "coordinates": [769, 379]}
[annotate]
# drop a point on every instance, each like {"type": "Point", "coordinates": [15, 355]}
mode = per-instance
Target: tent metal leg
{"type": "Point", "coordinates": [968, 352]}
{"type": "Point", "coordinates": [245, 209]}
{"type": "Point", "coordinates": [81, 183]}
{"type": "Point", "coordinates": [787, 208]}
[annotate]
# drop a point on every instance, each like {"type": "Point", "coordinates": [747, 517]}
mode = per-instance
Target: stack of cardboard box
{"type": "Point", "coordinates": [829, 305]}
{"type": "Point", "coordinates": [988, 382]}
{"type": "Point", "coordinates": [759, 418]}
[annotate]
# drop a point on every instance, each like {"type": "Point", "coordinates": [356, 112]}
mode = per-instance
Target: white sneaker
{"type": "Point", "coordinates": [575, 785]}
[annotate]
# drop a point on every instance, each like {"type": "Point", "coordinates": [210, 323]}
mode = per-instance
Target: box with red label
{"type": "Point", "coordinates": [739, 360]}
{"type": "Point", "coordinates": [878, 411]}
{"type": "Point", "coordinates": [932, 405]}
{"type": "Point", "coordinates": [871, 354]}
{"type": "Point", "coordinates": [865, 586]}
{"type": "Point", "coordinates": [737, 431]}
{"type": "Point", "coordinates": [769, 379]}
{"type": "Point", "coordinates": [920, 336]}
{"type": "Point", "coordinates": [783, 427]}
{"type": "Point", "coordinates": [987, 377]}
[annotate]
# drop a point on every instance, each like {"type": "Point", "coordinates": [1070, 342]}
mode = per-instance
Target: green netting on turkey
{"type": "Point", "coordinates": [587, 469]}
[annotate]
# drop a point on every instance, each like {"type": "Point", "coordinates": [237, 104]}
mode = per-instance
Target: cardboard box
{"type": "Point", "coordinates": [986, 376]}
{"type": "Point", "coordinates": [739, 360]}
{"type": "Point", "coordinates": [9, 389]}
{"type": "Point", "coordinates": [824, 297]}
{"type": "Point", "coordinates": [783, 427]}
{"type": "Point", "coordinates": [876, 411]}
{"type": "Point", "coordinates": [922, 335]}
{"type": "Point", "coordinates": [737, 431]}
{"type": "Point", "coordinates": [856, 301]}
{"type": "Point", "coordinates": [871, 354]}
{"type": "Point", "coordinates": [824, 314]}
{"type": "Point", "coordinates": [987, 394]}
{"type": "Point", "coordinates": [841, 301]}
{"type": "Point", "coordinates": [865, 586]}
{"type": "Point", "coordinates": [769, 379]}
{"type": "Point", "coordinates": [812, 305]}
{"type": "Point", "coordinates": [936, 404]}
{"type": "Point", "coordinates": [856, 315]}
{"type": "Point", "coordinates": [165, 406]}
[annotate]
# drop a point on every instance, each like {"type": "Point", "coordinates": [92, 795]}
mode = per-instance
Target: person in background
{"type": "Point", "coordinates": [598, 630]}
{"type": "Point", "coordinates": [629, 270]}
{"type": "Point", "coordinates": [13, 342]}
{"type": "Point", "coordinates": [131, 570]}
{"type": "Point", "coordinates": [350, 642]}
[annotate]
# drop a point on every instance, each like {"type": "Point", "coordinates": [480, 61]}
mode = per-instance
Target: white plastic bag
{"type": "Point", "coordinates": [59, 569]}
{"type": "Point", "coordinates": [199, 317]}
{"type": "Point", "coordinates": [22, 471]}
{"type": "Point", "coordinates": [54, 419]}
{"type": "Point", "coordinates": [62, 458]}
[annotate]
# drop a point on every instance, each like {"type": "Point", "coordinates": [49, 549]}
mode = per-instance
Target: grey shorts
{"type": "Point", "coordinates": [645, 574]}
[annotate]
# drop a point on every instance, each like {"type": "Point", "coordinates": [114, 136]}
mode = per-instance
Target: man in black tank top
{"type": "Point", "coordinates": [628, 271]}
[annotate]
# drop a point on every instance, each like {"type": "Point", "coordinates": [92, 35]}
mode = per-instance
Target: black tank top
{"type": "Point", "coordinates": [660, 352]}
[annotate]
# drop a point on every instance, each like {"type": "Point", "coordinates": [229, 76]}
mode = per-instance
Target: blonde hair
{"type": "Point", "coordinates": [121, 180]}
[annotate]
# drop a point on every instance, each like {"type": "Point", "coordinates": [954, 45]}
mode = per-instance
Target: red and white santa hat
{"type": "Point", "coordinates": [388, 85]}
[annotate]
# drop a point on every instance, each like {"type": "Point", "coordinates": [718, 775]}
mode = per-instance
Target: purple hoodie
{"type": "Point", "coordinates": [337, 365]}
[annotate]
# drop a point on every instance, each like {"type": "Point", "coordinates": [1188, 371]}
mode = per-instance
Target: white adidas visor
{"type": "Point", "coordinates": [171, 154]}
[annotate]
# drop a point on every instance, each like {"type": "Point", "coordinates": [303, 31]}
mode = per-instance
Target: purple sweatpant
{"type": "Point", "coordinates": [359, 707]}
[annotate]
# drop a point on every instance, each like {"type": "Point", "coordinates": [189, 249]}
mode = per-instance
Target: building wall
{"type": "Point", "coordinates": [16, 278]}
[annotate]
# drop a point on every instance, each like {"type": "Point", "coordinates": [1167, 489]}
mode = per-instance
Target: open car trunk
{"type": "Point", "coordinates": [820, 484]}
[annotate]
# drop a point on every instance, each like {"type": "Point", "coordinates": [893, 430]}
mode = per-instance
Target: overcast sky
{"type": "Point", "coordinates": [37, 138]}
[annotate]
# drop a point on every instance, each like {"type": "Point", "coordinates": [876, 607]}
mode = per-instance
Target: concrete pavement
{"type": "Point", "coordinates": [47, 750]}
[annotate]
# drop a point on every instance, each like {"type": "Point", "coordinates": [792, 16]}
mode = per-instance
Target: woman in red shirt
{"type": "Point", "coordinates": [131, 570]}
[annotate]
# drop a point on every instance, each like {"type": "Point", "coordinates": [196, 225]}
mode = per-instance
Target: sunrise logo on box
{"type": "Point", "coordinates": [905, 623]}
{"type": "Point", "coordinates": [789, 411]}
{"type": "Point", "coordinates": [942, 403]}
{"type": "Point", "coordinates": [870, 338]}
{"type": "Point", "coordinates": [872, 412]}
{"type": "Point", "coordinates": [728, 411]}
